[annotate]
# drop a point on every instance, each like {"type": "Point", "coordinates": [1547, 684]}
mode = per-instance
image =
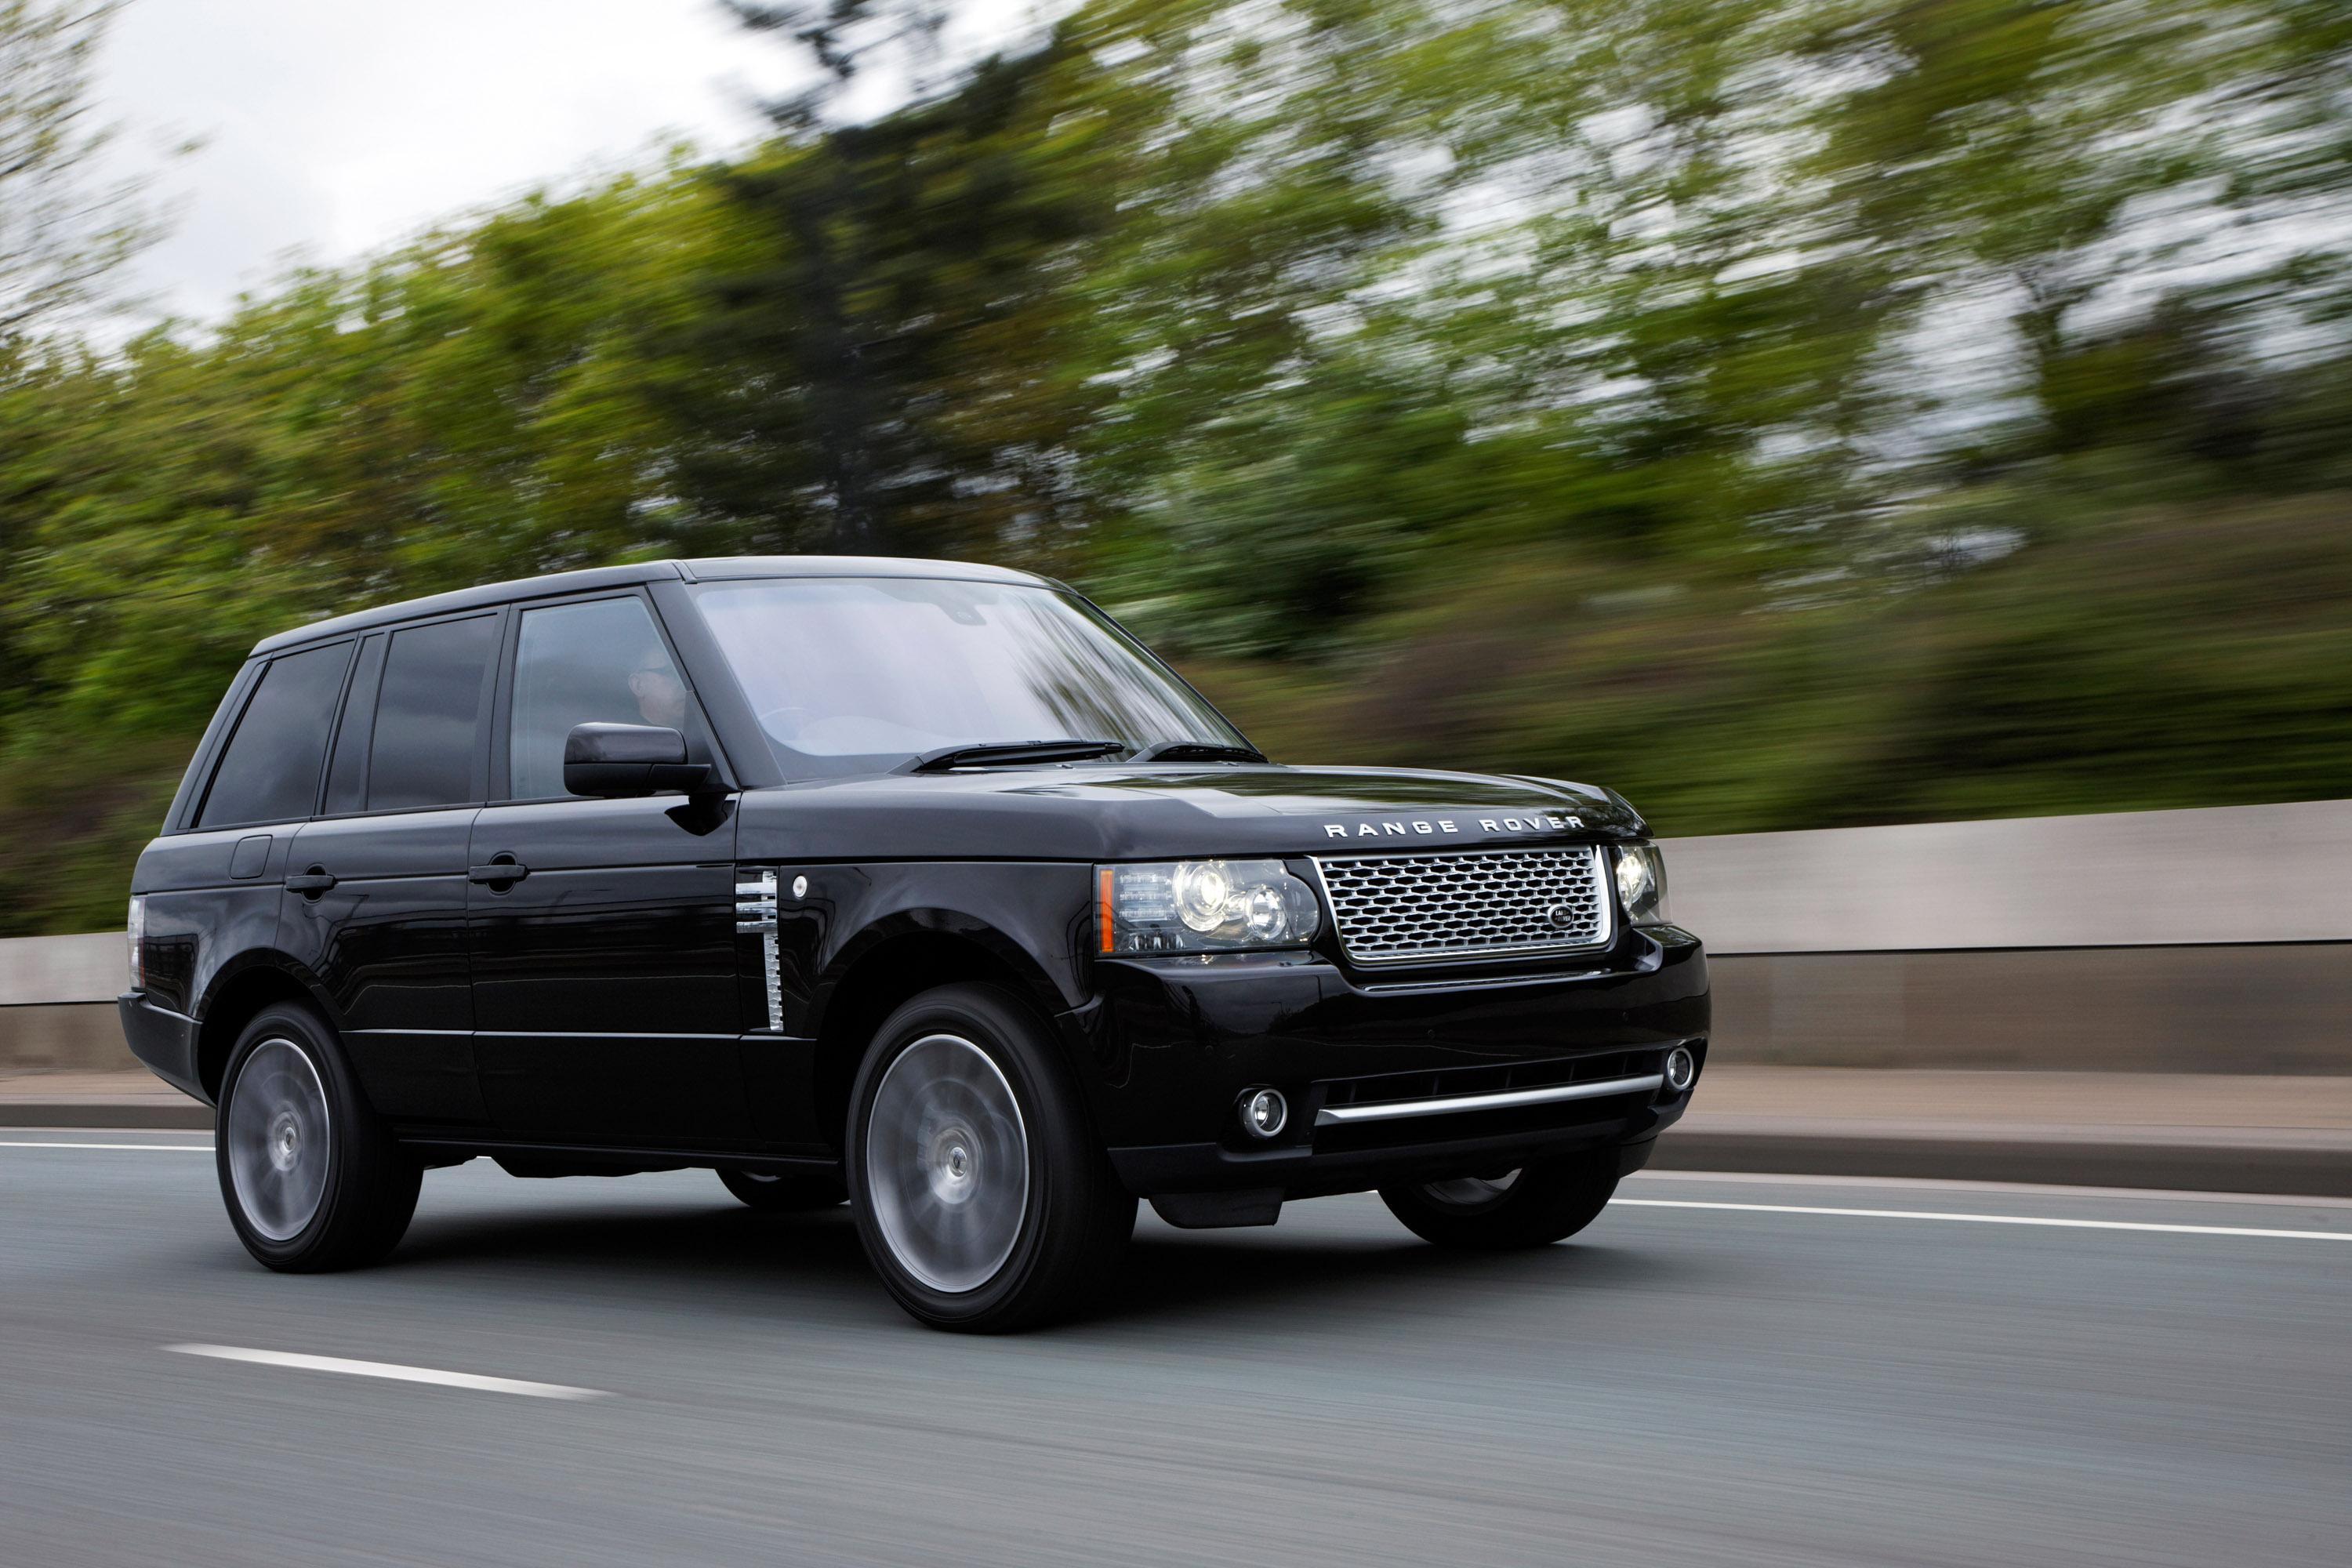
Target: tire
{"type": "Point", "coordinates": [785, 1194]}
{"type": "Point", "coordinates": [980, 1195]}
{"type": "Point", "coordinates": [1532, 1207]}
{"type": "Point", "coordinates": [312, 1176]}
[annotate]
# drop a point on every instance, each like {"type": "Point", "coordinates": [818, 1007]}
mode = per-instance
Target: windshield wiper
{"type": "Point", "coordinates": [1197, 751]}
{"type": "Point", "coordinates": [1008, 754]}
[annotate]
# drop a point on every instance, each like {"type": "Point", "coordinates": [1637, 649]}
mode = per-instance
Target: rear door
{"type": "Point", "coordinates": [604, 993]}
{"type": "Point", "coordinates": [213, 891]}
{"type": "Point", "coordinates": [375, 901]}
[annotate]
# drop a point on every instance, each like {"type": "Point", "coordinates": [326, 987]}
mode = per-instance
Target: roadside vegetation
{"type": "Point", "coordinates": [1791, 413]}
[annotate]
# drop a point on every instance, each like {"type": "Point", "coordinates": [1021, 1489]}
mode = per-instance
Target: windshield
{"type": "Point", "coordinates": [857, 675]}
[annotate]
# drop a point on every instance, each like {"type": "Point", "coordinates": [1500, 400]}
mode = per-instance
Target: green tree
{"type": "Point", "coordinates": [63, 227]}
{"type": "Point", "coordinates": [900, 373]}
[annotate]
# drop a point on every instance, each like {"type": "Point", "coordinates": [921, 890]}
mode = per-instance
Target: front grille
{"type": "Point", "coordinates": [1395, 909]}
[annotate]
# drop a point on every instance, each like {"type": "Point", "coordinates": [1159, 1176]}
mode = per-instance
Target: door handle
{"type": "Point", "coordinates": [498, 871]}
{"type": "Point", "coordinates": [311, 882]}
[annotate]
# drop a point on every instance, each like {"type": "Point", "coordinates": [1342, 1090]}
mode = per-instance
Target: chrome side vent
{"type": "Point", "coordinates": [755, 911]}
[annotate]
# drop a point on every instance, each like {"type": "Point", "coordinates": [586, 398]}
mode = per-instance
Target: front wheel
{"type": "Point", "coordinates": [980, 1195]}
{"type": "Point", "coordinates": [313, 1178]}
{"type": "Point", "coordinates": [1534, 1205]}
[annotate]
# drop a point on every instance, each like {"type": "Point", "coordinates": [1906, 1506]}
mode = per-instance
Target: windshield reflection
{"type": "Point", "coordinates": [857, 675]}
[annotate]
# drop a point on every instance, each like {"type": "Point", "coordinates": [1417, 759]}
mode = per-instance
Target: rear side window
{"type": "Point", "coordinates": [270, 771]}
{"type": "Point", "coordinates": [428, 720]}
{"type": "Point", "coordinates": [347, 771]}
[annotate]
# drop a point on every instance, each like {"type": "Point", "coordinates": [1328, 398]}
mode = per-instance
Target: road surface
{"type": "Point", "coordinates": [1735, 1385]}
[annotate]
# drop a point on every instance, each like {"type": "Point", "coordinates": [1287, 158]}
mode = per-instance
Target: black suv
{"type": "Point", "coordinates": [915, 885]}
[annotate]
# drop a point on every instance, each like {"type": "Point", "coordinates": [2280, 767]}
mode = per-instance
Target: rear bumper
{"type": "Point", "coordinates": [164, 1040]}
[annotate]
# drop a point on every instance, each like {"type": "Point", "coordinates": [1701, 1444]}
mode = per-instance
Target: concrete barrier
{"type": "Point", "coordinates": [2216, 941]}
{"type": "Point", "coordinates": [43, 971]}
{"type": "Point", "coordinates": [56, 1004]}
{"type": "Point", "coordinates": [2246, 874]}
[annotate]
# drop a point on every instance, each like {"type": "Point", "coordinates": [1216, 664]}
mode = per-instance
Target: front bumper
{"type": "Point", "coordinates": [1535, 1064]}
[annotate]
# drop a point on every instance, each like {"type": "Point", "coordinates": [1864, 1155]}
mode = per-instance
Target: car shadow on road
{"type": "Point", "coordinates": [1196, 1274]}
{"type": "Point", "coordinates": [722, 1239]}
{"type": "Point", "coordinates": [732, 1258]}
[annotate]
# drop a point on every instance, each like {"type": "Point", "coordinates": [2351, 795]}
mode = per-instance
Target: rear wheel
{"type": "Point", "coordinates": [313, 1178]}
{"type": "Point", "coordinates": [785, 1194]}
{"type": "Point", "coordinates": [979, 1194]}
{"type": "Point", "coordinates": [1534, 1205]}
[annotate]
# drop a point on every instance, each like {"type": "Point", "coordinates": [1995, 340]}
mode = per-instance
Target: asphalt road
{"type": "Point", "coordinates": [1679, 1385]}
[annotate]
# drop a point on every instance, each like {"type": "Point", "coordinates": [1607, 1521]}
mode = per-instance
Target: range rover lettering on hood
{"type": "Point", "coordinates": [1407, 827]}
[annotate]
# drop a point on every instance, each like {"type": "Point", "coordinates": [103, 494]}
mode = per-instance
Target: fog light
{"type": "Point", "coordinates": [1264, 1112]}
{"type": "Point", "coordinates": [1681, 1068]}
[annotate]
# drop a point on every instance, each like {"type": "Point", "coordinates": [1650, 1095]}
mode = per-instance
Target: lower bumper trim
{"type": "Point", "coordinates": [1646, 1083]}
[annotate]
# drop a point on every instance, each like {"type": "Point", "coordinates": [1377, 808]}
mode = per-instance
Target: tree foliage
{"type": "Point", "coordinates": [63, 225]}
{"type": "Point", "coordinates": [1782, 407]}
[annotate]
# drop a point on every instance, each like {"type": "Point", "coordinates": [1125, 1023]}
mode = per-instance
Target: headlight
{"type": "Point", "coordinates": [1205, 906]}
{"type": "Point", "coordinates": [1641, 883]}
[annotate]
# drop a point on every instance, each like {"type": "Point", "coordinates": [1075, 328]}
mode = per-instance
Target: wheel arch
{"type": "Point", "coordinates": [233, 1000]}
{"type": "Point", "coordinates": [900, 960]}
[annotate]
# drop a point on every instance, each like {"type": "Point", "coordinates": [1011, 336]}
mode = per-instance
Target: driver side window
{"type": "Point", "coordinates": [598, 662]}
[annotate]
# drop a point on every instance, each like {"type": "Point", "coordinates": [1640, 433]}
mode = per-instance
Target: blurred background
{"type": "Point", "coordinates": [1794, 414]}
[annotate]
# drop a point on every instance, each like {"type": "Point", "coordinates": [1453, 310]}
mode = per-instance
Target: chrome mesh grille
{"type": "Point", "coordinates": [1389, 908]}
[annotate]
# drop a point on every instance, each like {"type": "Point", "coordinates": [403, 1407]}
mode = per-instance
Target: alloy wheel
{"type": "Point", "coordinates": [947, 1163]}
{"type": "Point", "coordinates": [277, 1139]}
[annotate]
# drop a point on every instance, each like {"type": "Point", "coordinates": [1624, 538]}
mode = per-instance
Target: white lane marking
{"type": "Point", "coordinates": [388, 1370]}
{"type": "Point", "coordinates": [164, 1148]}
{"type": "Point", "coordinates": [1993, 1219]}
{"type": "Point", "coordinates": [1995, 1189]}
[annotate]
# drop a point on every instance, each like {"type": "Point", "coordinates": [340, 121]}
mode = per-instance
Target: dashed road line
{"type": "Point", "coordinates": [391, 1371]}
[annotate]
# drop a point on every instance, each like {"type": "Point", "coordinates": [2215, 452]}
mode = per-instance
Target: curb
{"type": "Point", "coordinates": [2180, 1166]}
{"type": "Point", "coordinates": [162, 1116]}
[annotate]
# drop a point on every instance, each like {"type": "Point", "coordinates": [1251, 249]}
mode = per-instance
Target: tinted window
{"type": "Point", "coordinates": [270, 771]}
{"type": "Point", "coordinates": [347, 774]}
{"type": "Point", "coordinates": [601, 662]}
{"type": "Point", "coordinates": [428, 720]}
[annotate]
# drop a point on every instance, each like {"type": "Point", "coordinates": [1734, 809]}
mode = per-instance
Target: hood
{"type": "Point", "coordinates": [1089, 811]}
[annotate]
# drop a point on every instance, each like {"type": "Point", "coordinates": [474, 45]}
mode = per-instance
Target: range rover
{"type": "Point", "coordinates": [916, 886]}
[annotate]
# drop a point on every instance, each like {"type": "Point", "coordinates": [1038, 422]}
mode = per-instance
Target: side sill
{"type": "Point", "coordinates": [707, 1159]}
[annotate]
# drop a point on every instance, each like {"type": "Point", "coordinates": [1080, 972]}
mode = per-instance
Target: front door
{"type": "Point", "coordinates": [604, 995]}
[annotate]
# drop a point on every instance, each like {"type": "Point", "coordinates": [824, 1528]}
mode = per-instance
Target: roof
{"type": "Point", "coordinates": [716, 568]}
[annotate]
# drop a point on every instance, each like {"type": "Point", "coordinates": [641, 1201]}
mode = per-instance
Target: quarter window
{"type": "Point", "coordinates": [270, 771]}
{"type": "Point", "coordinates": [429, 720]}
{"type": "Point", "coordinates": [597, 662]}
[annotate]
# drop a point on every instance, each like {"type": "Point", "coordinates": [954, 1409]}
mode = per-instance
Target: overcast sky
{"type": "Point", "coordinates": [333, 128]}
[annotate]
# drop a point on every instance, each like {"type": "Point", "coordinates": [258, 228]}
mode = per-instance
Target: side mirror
{"type": "Point", "coordinates": [613, 760]}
